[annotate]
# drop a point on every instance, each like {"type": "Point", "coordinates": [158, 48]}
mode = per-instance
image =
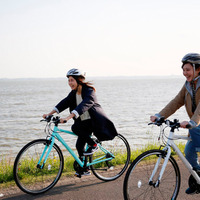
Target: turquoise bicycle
{"type": "Point", "coordinates": [39, 164]}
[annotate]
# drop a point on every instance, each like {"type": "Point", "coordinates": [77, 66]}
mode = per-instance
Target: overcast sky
{"type": "Point", "coordinates": [45, 38]}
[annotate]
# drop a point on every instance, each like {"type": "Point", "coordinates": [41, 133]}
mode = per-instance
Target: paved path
{"type": "Point", "coordinates": [89, 188]}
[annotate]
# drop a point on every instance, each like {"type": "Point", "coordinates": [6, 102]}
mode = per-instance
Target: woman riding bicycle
{"type": "Point", "coordinates": [189, 96]}
{"type": "Point", "coordinates": [88, 115]}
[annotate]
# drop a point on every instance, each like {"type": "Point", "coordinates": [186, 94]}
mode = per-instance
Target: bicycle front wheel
{"type": "Point", "coordinates": [137, 183]}
{"type": "Point", "coordinates": [114, 168]}
{"type": "Point", "coordinates": [30, 177]}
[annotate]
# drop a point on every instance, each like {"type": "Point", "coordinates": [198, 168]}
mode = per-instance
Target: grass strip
{"type": "Point", "coordinates": [6, 164]}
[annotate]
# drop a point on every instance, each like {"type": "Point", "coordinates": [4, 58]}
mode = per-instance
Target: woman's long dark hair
{"type": "Point", "coordinates": [81, 80]}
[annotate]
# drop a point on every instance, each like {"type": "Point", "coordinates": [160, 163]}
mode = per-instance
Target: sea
{"type": "Point", "coordinates": [128, 102]}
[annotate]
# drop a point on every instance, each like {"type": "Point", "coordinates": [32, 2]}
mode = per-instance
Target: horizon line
{"type": "Point", "coordinates": [106, 76]}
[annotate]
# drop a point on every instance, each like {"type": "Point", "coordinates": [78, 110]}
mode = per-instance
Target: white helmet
{"type": "Point", "coordinates": [193, 58]}
{"type": "Point", "coordinates": [75, 72]}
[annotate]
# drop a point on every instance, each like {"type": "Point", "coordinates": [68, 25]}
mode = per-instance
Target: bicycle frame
{"type": "Point", "coordinates": [49, 147]}
{"type": "Point", "coordinates": [167, 148]}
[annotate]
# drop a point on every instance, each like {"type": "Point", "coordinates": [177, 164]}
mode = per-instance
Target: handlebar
{"type": "Point", "coordinates": [173, 124]}
{"type": "Point", "coordinates": [47, 119]}
{"type": "Point", "coordinates": [51, 118]}
{"type": "Point", "coordinates": [158, 121]}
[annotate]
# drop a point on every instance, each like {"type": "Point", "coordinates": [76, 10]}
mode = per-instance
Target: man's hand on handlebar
{"type": "Point", "coordinates": [153, 118]}
{"type": "Point", "coordinates": [184, 124]}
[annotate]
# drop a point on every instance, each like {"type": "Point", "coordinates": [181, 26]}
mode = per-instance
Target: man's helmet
{"type": "Point", "coordinates": [75, 72]}
{"type": "Point", "coordinates": [193, 58]}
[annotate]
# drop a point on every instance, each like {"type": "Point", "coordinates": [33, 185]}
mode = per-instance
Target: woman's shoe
{"type": "Point", "coordinates": [86, 172]}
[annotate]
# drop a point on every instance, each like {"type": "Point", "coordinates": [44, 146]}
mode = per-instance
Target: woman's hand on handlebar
{"type": "Point", "coordinates": [45, 116]}
{"type": "Point", "coordinates": [63, 120]}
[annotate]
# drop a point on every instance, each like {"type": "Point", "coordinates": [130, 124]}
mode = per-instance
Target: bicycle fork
{"type": "Point", "coordinates": [155, 184]}
{"type": "Point", "coordinates": [47, 150]}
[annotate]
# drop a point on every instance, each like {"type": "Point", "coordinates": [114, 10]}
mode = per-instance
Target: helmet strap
{"type": "Point", "coordinates": [193, 97]}
{"type": "Point", "coordinates": [194, 79]}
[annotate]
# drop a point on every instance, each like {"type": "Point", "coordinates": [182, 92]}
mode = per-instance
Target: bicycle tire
{"type": "Point", "coordinates": [113, 169]}
{"type": "Point", "coordinates": [28, 176]}
{"type": "Point", "coordinates": [136, 182]}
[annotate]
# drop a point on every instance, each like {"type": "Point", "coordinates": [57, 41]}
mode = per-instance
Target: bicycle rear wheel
{"type": "Point", "coordinates": [31, 178]}
{"type": "Point", "coordinates": [136, 182]}
{"type": "Point", "coordinates": [113, 169]}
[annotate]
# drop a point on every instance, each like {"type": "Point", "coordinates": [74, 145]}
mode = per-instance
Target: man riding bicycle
{"type": "Point", "coordinates": [189, 96]}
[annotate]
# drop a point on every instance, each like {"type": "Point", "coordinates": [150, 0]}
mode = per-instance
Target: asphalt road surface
{"type": "Point", "coordinates": [89, 188]}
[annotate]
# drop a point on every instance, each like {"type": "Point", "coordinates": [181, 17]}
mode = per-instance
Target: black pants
{"type": "Point", "coordinates": [84, 130]}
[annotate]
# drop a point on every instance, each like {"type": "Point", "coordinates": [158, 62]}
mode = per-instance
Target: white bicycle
{"type": "Point", "coordinates": [155, 173]}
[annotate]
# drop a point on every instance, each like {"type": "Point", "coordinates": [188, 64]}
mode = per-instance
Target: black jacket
{"type": "Point", "coordinates": [104, 129]}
